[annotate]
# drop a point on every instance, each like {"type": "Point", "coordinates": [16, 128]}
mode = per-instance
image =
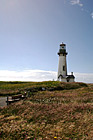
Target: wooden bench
{"type": "Point", "coordinates": [11, 99]}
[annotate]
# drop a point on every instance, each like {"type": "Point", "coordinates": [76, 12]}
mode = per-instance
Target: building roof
{"type": "Point", "coordinates": [70, 76]}
{"type": "Point", "coordinates": [67, 76]}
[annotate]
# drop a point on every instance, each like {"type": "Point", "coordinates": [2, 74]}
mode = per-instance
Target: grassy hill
{"type": "Point", "coordinates": [64, 111]}
{"type": "Point", "coordinates": [11, 88]}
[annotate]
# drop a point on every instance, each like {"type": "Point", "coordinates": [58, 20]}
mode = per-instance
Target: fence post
{"type": "Point", "coordinates": [7, 101]}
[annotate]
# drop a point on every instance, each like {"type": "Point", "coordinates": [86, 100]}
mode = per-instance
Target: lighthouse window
{"type": "Point", "coordinates": [63, 68]}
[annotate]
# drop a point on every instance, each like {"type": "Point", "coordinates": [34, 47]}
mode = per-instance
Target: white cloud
{"type": "Point", "coordinates": [27, 75]}
{"type": "Point", "coordinates": [40, 75]}
{"type": "Point", "coordinates": [84, 77]}
{"type": "Point", "coordinates": [76, 2]}
{"type": "Point", "coordinates": [92, 15]}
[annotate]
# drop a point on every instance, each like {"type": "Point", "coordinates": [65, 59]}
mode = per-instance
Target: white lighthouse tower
{"type": "Point", "coordinates": [62, 66]}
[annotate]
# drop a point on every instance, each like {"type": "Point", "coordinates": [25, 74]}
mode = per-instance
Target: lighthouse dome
{"type": "Point", "coordinates": [63, 46]}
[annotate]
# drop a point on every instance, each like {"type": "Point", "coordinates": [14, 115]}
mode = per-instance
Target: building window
{"type": "Point", "coordinates": [63, 68]}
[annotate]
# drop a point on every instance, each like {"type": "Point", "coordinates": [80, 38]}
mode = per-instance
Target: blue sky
{"type": "Point", "coordinates": [32, 30]}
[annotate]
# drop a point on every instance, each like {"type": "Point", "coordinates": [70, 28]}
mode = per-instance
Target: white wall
{"type": "Point", "coordinates": [71, 80]}
{"type": "Point", "coordinates": [62, 62]}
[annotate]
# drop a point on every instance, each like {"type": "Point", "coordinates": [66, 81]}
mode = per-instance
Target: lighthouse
{"type": "Point", "coordinates": [62, 66]}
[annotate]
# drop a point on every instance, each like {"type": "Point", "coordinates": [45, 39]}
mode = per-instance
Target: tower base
{"type": "Point", "coordinates": [67, 78]}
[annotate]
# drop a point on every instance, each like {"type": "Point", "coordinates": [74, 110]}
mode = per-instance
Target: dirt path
{"type": "Point", "coordinates": [3, 101]}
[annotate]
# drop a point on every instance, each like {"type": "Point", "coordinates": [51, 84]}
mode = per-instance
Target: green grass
{"type": "Point", "coordinates": [11, 88]}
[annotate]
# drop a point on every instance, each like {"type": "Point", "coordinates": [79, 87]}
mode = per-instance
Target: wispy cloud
{"type": "Point", "coordinates": [79, 3]}
{"type": "Point", "coordinates": [92, 15]}
{"type": "Point", "coordinates": [27, 75]}
{"type": "Point", "coordinates": [76, 2]}
{"type": "Point", "coordinates": [40, 75]}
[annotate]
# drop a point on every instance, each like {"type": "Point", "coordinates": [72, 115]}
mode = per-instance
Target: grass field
{"type": "Point", "coordinates": [11, 88]}
{"type": "Point", "coordinates": [64, 111]}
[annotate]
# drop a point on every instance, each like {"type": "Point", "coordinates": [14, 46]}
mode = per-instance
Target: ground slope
{"type": "Point", "coordinates": [63, 114]}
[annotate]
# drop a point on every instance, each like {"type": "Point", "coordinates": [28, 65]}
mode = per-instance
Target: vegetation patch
{"type": "Point", "coordinates": [13, 88]}
{"type": "Point", "coordinates": [50, 114]}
